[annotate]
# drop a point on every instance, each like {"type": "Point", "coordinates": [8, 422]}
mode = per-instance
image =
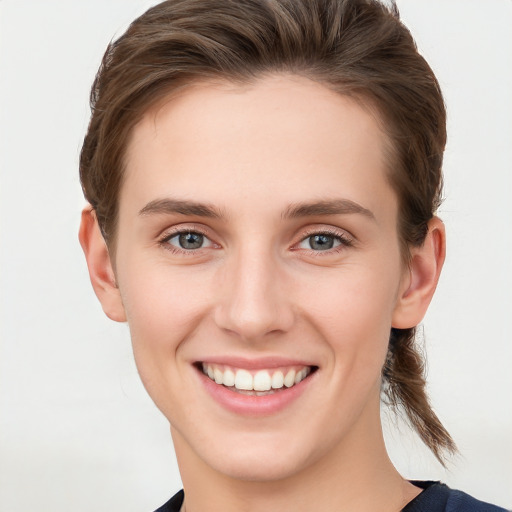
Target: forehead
{"type": "Point", "coordinates": [279, 135]}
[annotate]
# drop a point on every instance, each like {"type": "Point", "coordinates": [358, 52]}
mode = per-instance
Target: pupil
{"type": "Point", "coordinates": [191, 240]}
{"type": "Point", "coordinates": [321, 242]}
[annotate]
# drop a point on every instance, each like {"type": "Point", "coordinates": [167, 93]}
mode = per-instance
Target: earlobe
{"type": "Point", "coordinates": [424, 270]}
{"type": "Point", "coordinates": [100, 267]}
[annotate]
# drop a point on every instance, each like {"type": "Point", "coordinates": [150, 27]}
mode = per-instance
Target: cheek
{"type": "Point", "coordinates": [160, 299]}
{"type": "Point", "coordinates": [163, 308]}
{"type": "Point", "coordinates": [162, 314]}
{"type": "Point", "coordinates": [351, 299]}
{"type": "Point", "coordinates": [353, 312]}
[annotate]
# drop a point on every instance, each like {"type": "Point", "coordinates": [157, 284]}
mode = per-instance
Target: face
{"type": "Point", "coordinates": [259, 269]}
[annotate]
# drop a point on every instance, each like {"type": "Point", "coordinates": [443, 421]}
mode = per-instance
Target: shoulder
{"type": "Point", "coordinates": [438, 497]}
{"type": "Point", "coordinates": [460, 501]}
{"type": "Point", "coordinates": [174, 504]}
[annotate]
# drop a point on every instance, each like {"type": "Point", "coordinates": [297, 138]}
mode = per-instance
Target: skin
{"type": "Point", "coordinates": [257, 288]}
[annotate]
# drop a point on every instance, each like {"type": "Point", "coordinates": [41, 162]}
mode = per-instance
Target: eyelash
{"type": "Point", "coordinates": [343, 239]}
{"type": "Point", "coordinates": [164, 241]}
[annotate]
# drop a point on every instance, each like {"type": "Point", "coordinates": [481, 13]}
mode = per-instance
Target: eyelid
{"type": "Point", "coordinates": [208, 243]}
{"type": "Point", "coordinates": [344, 237]}
{"type": "Point", "coordinates": [168, 234]}
{"type": "Point", "coordinates": [180, 229]}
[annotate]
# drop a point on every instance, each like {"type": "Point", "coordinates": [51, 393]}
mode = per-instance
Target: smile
{"type": "Point", "coordinates": [261, 382]}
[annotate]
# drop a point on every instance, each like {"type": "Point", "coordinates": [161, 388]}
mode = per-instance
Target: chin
{"type": "Point", "coordinates": [249, 456]}
{"type": "Point", "coordinates": [259, 466]}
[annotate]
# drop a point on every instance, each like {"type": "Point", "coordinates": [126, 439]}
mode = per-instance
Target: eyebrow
{"type": "Point", "coordinates": [297, 210]}
{"type": "Point", "coordinates": [183, 207]}
{"type": "Point", "coordinates": [329, 207]}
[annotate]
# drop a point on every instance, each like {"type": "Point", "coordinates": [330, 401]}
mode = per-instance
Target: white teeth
{"type": "Point", "coordinates": [277, 380]}
{"type": "Point", "coordinates": [218, 376]}
{"type": "Point", "coordinates": [262, 381]}
{"type": "Point", "coordinates": [229, 378]}
{"type": "Point", "coordinates": [243, 380]}
{"type": "Point", "coordinates": [289, 380]}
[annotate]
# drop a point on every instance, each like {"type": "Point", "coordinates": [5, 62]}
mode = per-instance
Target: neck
{"type": "Point", "coordinates": [356, 475]}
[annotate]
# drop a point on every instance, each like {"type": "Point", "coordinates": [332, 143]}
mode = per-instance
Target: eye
{"type": "Point", "coordinates": [188, 240]}
{"type": "Point", "coordinates": [321, 242]}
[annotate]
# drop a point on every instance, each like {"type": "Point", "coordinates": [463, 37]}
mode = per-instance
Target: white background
{"type": "Point", "coordinates": [77, 431]}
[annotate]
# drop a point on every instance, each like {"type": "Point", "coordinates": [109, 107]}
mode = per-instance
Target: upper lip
{"type": "Point", "coordinates": [259, 363]}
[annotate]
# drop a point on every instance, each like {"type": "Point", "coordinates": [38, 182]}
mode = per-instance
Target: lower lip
{"type": "Point", "coordinates": [253, 405]}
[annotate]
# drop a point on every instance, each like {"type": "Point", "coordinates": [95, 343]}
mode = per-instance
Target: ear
{"type": "Point", "coordinates": [420, 283]}
{"type": "Point", "coordinates": [100, 267]}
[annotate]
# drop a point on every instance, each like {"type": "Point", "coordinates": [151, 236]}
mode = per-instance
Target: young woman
{"type": "Point", "coordinates": [263, 178]}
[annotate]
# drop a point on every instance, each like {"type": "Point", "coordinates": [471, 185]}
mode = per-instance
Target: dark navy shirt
{"type": "Point", "coordinates": [438, 497]}
{"type": "Point", "coordinates": [435, 497]}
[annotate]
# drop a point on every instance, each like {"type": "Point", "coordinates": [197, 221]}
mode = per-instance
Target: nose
{"type": "Point", "coordinates": [253, 300]}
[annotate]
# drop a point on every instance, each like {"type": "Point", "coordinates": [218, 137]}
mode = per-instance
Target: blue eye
{"type": "Point", "coordinates": [189, 241]}
{"type": "Point", "coordinates": [323, 242]}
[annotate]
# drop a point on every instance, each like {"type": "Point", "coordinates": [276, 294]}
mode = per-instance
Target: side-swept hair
{"type": "Point", "coordinates": [358, 48]}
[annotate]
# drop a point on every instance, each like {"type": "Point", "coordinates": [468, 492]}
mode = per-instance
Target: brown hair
{"type": "Point", "coordinates": [355, 47]}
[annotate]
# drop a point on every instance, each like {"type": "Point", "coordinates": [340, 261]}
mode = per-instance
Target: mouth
{"type": "Point", "coordinates": [261, 382]}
